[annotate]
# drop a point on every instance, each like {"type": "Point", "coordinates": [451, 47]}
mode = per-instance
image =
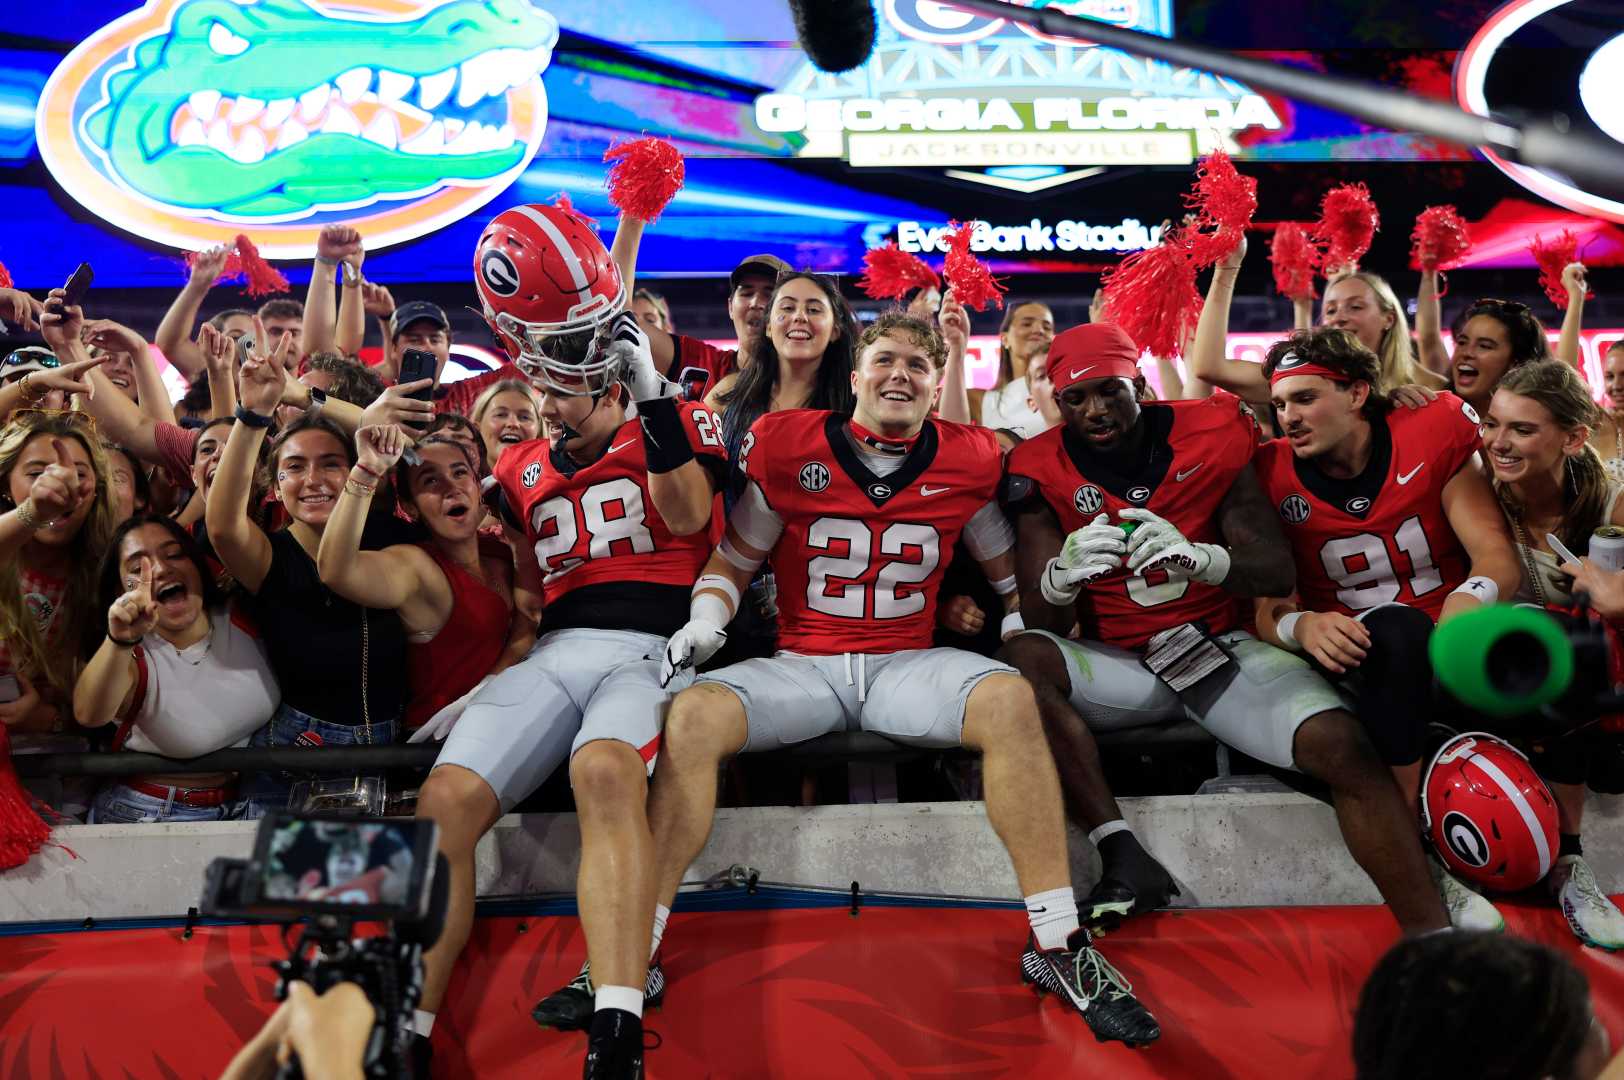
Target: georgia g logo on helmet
{"type": "Point", "coordinates": [1465, 839]}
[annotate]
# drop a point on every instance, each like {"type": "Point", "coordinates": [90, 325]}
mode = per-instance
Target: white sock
{"type": "Point", "coordinates": [1053, 916]}
{"type": "Point", "coordinates": [1110, 827]}
{"type": "Point", "coordinates": [422, 1022]}
{"type": "Point", "coordinates": [661, 913]}
{"type": "Point", "coordinates": [625, 998]}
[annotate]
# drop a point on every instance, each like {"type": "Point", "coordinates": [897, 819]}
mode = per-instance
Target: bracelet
{"type": "Point", "coordinates": [122, 643]}
{"type": "Point", "coordinates": [253, 419]}
{"type": "Point", "coordinates": [376, 476]}
{"type": "Point", "coordinates": [325, 261]}
{"type": "Point", "coordinates": [30, 395]}
{"type": "Point", "coordinates": [352, 486]}
{"type": "Point", "coordinates": [30, 520]}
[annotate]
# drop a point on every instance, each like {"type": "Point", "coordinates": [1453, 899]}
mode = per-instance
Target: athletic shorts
{"type": "Point", "coordinates": [575, 687]}
{"type": "Point", "coordinates": [1258, 713]}
{"type": "Point", "coordinates": [916, 696]}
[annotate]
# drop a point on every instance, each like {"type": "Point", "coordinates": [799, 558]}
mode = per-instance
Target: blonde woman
{"type": "Point", "coordinates": [506, 414]}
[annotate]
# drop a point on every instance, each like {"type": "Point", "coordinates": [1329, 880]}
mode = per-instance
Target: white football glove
{"type": "Point", "coordinates": [689, 647]}
{"type": "Point", "coordinates": [1157, 544]}
{"type": "Point", "coordinates": [1088, 554]}
{"type": "Point", "coordinates": [438, 726]}
{"type": "Point", "coordinates": [629, 343]}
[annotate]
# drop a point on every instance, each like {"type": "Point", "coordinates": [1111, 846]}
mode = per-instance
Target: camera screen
{"type": "Point", "coordinates": [340, 862]}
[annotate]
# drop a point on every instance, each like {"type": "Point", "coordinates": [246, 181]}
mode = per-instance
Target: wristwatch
{"type": "Point", "coordinates": [254, 419]}
{"type": "Point", "coordinates": [318, 398]}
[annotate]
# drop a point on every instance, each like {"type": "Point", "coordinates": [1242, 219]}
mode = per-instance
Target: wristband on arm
{"type": "Point", "coordinates": [1482, 588]}
{"type": "Point", "coordinates": [706, 605]}
{"type": "Point", "coordinates": [1286, 630]}
{"type": "Point", "coordinates": [665, 440]}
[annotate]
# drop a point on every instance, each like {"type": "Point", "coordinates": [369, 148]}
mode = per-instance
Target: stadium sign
{"type": "Point", "coordinates": [1034, 238]}
{"type": "Point", "coordinates": [950, 88]}
{"type": "Point", "coordinates": [188, 121]}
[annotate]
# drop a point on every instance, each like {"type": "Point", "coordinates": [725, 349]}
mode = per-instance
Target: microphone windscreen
{"type": "Point", "coordinates": [838, 35]}
{"type": "Point", "coordinates": [1502, 660]}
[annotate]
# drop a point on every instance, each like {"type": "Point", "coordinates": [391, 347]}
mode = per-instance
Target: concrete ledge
{"type": "Point", "coordinates": [1225, 850]}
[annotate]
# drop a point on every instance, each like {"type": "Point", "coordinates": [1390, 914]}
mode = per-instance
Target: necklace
{"type": "Point", "coordinates": [1535, 581]}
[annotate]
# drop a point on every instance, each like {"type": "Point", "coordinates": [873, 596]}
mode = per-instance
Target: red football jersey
{"type": "Point", "coordinates": [1381, 536]}
{"type": "Point", "coordinates": [1194, 450]}
{"type": "Point", "coordinates": [597, 526]}
{"type": "Point", "coordinates": [860, 561]}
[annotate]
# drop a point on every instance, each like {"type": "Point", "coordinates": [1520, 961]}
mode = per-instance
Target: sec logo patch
{"type": "Point", "coordinates": [531, 475]}
{"type": "Point", "coordinates": [1294, 509]}
{"type": "Point", "coordinates": [1087, 499]}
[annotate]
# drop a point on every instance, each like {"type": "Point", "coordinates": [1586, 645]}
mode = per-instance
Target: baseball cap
{"type": "Point", "coordinates": [1091, 351]}
{"type": "Point", "coordinates": [767, 266]}
{"type": "Point", "coordinates": [413, 311]}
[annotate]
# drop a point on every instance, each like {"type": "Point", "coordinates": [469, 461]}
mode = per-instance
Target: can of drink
{"type": "Point", "coordinates": [1607, 547]}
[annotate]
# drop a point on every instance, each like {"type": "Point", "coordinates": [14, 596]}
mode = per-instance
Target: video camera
{"type": "Point", "coordinates": [1515, 661]}
{"type": "Point", "coordinates": [333, 872]}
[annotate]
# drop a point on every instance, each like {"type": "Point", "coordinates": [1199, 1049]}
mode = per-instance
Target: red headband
{"type": "Point", "coordinates": [1091, 351]}
{"type": "Point", "coordinates": [1291, 364]}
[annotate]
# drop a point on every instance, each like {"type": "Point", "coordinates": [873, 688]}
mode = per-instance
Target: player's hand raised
{"type": "Point", "coordinates": [689, 647]}
{"type": "Point", "coordinates": [1336, 640]}
{"type": "Point", "coordinates": [629, 343]}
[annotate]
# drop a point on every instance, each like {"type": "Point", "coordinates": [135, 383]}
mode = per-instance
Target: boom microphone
{"type": "Point", "coordinates": [1503, 660]}
{"type": "Point", "coordinates": [838, 35]}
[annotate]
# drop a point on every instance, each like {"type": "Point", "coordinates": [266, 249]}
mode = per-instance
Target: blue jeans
{"type": "Point", "coordinates": [266, 791]}
{"type": "Point", "coordinates": [116, 804]}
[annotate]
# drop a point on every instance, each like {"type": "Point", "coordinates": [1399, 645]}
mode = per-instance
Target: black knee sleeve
{"type": "Point", "coordinates": [1394, 684]}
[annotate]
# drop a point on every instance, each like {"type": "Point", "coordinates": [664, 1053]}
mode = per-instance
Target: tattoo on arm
{"type": "Point", "coordinates": [1260, 559]}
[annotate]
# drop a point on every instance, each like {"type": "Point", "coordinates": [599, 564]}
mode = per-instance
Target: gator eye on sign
{"type": "Point", "coordinates": [188, 121]}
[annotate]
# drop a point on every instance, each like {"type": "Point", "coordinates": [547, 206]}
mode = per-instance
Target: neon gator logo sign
{"type": "Point", "coordinates": [188, 121]}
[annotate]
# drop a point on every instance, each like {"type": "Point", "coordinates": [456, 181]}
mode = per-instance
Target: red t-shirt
{"type": "Point", "coordinates": [698, 365]}
{"type": "Point", "coordinates": [42, 596]}
{"type": "Point", "coordinates": [459, 397]}
{"type": "Point", "coordinates": [859, 564]}
{"type": "Point", "coordinates": [1194, 451]}
{"type": "Point", "coordinates": [607, 558]}
{"type": "Point", "coordinates": [1381, 536]}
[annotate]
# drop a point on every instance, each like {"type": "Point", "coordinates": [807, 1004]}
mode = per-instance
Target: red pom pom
{"type": "Point", "coordinates": [22, 831]}
{"type": "Point", "coordinates": [1224, 202]}
{"type": "Point", "coordinates": [561, 201]}
{"type": "Point", "coordinates": [647, 175]}
{"type": "Point", "coordinates": [5, 277]}
{"type": "Point", "coordinates": [1347, 224]}
{"type": "Point", "coordinates": [972, 283]}
{"type": "Point", "coordinates": [1152, 296]}
{"type": "Point", "coordinates": [1551, 258]}
{"type": "Point", "coordinates": [889, 273]}
{"type": "Point", "coordinates": [260, 278]}
{"type": "Point", "coordinates": [1439, 239]}
{"type": "Point", "coordinates": [1295, 260]}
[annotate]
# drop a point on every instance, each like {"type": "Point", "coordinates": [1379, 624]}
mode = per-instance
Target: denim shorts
{"type": "Point", "coordinates": [117, 804]}
{"type": "Point", "coordinates": [265, 791]}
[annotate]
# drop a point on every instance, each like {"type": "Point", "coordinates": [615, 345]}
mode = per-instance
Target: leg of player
{"type": "Point", "coordinates": [1131, 879]}
{"type": "Point", "coordinates": [1024, 806]}
{"type": "Point", "coordinates": [705, 726]}
{"type": "Point", "coordinates": [1377, 827]}
{"type": "Point", "coordinates": [615, 885]}
{"type": "Point", "coordinates": [464, 806]}
{"type": "Point", "coordinates": [1594, 919]}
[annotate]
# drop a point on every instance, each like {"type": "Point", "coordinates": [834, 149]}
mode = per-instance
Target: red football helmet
{"type": "Point", "coordinates": [542, 272]}
{"type": "Point", "coordinates": [1488, 814]}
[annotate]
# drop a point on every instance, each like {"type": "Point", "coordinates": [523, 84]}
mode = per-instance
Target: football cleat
{"type": "Point", "coordinates": [1594, 918]}
{"type": "Point", "coordinates": [1084, 978]}
{"type": "Point", "coordinates": [1468, 910]}
{"type": "Point", "coordinates": [569, 1008]}
{"type": "Point", "coordinates": [614, 1047]}
{"type": "Point", "coordinates": [1123, 891]}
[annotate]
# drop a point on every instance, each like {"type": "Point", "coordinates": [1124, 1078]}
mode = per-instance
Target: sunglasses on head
{"type": "Point", "coordinates": [30, 354]}
{"type": "Point", "coordinates": [1508, 307]}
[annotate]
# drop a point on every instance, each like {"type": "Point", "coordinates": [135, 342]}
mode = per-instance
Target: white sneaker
{"type": "Point", "coordinates": [1468, 910]}
{"type": "Point", "coordinates": [1595, 919]}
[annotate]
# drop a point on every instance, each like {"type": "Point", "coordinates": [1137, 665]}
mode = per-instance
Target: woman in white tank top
{"type": "Point", "coordinates": [179, 672]}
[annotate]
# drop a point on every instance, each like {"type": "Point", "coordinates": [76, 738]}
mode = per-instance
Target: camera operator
{"type": "Point", "coordinates": [329, 1034]}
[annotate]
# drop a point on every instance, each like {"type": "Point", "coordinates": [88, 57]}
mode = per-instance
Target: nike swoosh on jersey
{"type": "Point", "coordinates": [1184, 474]}
{"type": "Point", "coordinates": [1405, 478]}
{"type": "Point", "coordinates": [927, 491]}
{"type": "Point", "coordinates": [622, 446]}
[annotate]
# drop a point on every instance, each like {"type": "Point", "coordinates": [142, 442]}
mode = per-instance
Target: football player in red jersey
{"type": "Point", "coordinates": [621, 514]}
{"type": "Point", "coordinates": [1393, 525]}
{"type": "Point", "coordinates": [1180, 474]}
{"type": "Point", "coordinates": [859, 516]}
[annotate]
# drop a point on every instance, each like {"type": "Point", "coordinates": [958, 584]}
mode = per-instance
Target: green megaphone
{"type": "Point", "coordinates": [1503, 660]}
